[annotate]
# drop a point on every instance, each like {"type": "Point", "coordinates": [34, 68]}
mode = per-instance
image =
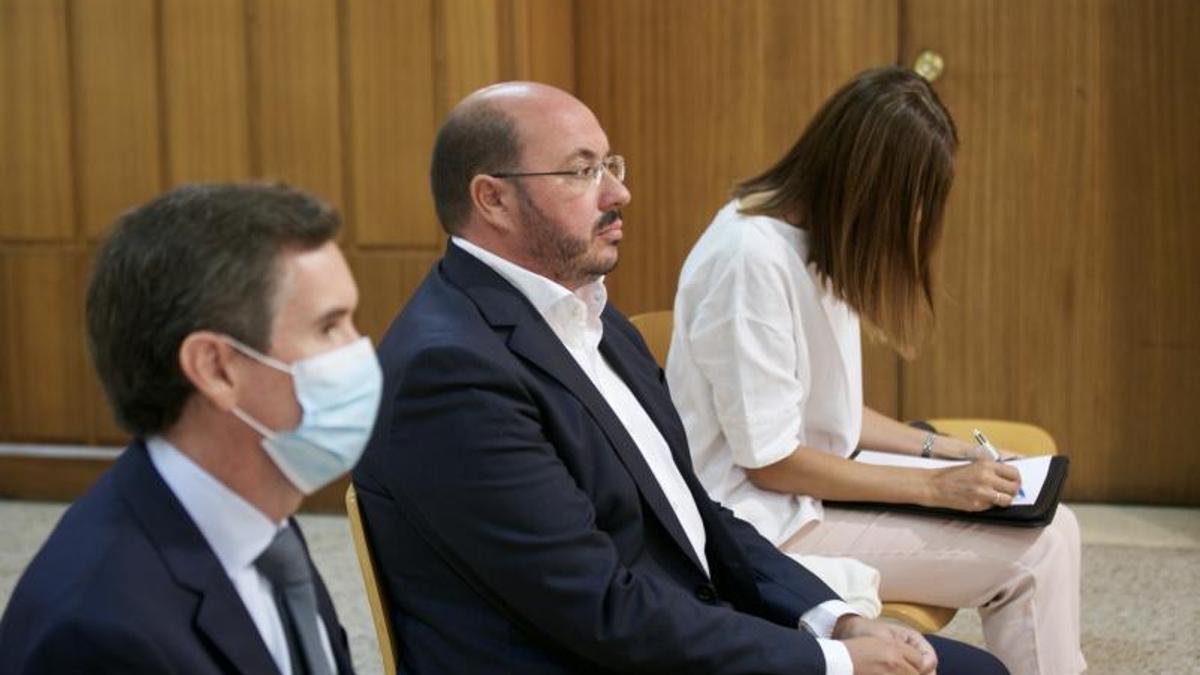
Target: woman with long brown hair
{"type": "Point", "coordinates": [765, 368]}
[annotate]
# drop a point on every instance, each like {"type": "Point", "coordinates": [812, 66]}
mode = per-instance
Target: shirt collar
{"type": "Point", "coordinates": [236, 531]}
{"type": "Point", "coordinates": [551, 299]}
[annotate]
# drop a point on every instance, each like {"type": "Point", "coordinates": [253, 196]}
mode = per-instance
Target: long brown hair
{"type": "Point", "coordinates": [868, 180]}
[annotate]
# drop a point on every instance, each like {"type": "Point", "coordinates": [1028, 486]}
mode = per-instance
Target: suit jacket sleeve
{"type": "Point", "coordinates": [94, 646]}
{"type": "Point", "coordinates": [471, 466]}
{"type": "Point", "coordinates": [787, 588]}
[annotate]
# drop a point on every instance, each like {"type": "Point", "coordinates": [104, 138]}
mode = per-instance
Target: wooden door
{"type": "Point", "coordinates": [1071, 291]}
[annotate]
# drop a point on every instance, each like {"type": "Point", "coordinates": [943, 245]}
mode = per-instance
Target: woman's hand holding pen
{"type": "Point", "coordinates": [976, 486]}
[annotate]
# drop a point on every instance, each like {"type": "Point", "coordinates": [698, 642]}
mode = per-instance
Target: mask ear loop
{"type": "Point", "coordinates": [267, 361]}
{"type": "Point", "coordinates": [253, 353]}
{"type": "Point", "coordinates": [254, 424]}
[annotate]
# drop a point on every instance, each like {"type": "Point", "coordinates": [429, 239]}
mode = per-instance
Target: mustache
{"type": "Point", "coordinates": [607, 219]}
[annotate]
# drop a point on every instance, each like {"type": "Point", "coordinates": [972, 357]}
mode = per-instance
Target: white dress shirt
{"type": "Point", "coordinates": [756, 333]}
{"type": "Point", "coordinates": [574, 317]}
{"type": "Point", "coordinates": [237, 533]}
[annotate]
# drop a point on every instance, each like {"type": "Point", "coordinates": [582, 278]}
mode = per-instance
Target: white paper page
{"type": "Point", "coordinates": [1033, 469]}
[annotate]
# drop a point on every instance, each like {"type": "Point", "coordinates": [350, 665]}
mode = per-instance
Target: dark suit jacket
{"type": "Point", "coordinates": [127, 584]}
{"type": "Point", "coordinates": [519, 528]}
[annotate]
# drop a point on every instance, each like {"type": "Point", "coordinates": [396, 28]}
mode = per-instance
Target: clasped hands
{"type": "Point", "coordinates": [884, 647]}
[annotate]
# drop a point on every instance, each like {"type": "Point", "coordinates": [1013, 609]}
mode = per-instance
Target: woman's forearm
{"type": "Point", "coordinates": [811, 472]}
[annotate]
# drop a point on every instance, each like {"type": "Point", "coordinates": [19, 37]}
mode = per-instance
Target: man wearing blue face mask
{"type": "Point", "coordinates": [220, 321]}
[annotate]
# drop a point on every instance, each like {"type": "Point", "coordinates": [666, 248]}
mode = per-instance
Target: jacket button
{"type": "Point", "coordinates": [706, 593]}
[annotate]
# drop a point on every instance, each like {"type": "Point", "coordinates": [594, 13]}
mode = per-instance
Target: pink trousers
{"type": "Point", "coordinates": [1025, 582]}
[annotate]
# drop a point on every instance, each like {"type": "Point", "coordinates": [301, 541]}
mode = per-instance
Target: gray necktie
{"type": "Point", "coordinates": [285, 565]}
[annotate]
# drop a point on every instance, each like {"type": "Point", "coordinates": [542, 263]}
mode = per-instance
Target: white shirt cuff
{"type": "Point", "coordinates": [837, 657]}
{"type": "Point", "coordinates": [821, 619]}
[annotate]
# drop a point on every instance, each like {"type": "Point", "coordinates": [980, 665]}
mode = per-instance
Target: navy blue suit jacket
{"type": "Point", "coordinates": [519, 528]}
{"type": "Point", "coordinates": [127, 584]}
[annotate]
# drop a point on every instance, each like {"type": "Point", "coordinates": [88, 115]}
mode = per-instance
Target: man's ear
{"type": "Point", "coordinates": [207, 362]}
{"type": "Point", "coordinates": [492, 198]}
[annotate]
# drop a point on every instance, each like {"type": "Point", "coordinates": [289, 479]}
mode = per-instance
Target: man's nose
{"type": "Point", "coordinates": [614, 194]}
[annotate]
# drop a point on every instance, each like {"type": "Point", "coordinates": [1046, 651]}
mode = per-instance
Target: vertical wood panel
{"type": "Point", "coordinates": [35, 160]}
{"type": "Point", "coordinates": [385, 282]}
{"type": "Point", "coordinates": [391, 108]}
{"type": "Point", "coordinates": [205, 89]}
{"type": "Point", "coordinates": [700, 94]}
{"type": "Point", "coordinates": [467, 48]}
{"type": "Point", "coordinates": [295, 86]}
{"type": "Point", "coordinates": [1020, 219]}
{"type": "Point", "coordinates": [1149, 169]}
{"type": "Point", "coordinates": [677, 87]}
{"type": "Point", "coordinates": [1037, 261]}
{"type": "Point", "coordinates": [117, 106]}
{"type": "Point", "coordinates": [101, 424]}
{"type": "Point", "coordinates": [541, 42]}
{"type": "Point", "coordinates": [8, 353]}
{"type": "Point", "coordinates": [809, 50]}
{"type": "Point", "coordinates": [43, 296]}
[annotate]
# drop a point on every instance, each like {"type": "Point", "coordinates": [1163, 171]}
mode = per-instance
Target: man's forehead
{"type": "Point", "coordinates": [565, 132]}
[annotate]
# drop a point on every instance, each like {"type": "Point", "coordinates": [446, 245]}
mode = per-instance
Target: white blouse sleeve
{"type": "Point", "coordinates": [744, 342]}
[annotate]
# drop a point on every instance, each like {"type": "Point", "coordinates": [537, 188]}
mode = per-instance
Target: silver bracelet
{"type": "Point", "coordinates": [927, 446]}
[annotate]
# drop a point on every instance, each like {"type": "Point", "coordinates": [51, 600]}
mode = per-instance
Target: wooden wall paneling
{"type": "Point", "coordinates": [700, 94]}
{"type": "Point", "coordinates": [881, 378]}
{"type": "Point", "coordinates": [48, 479]}
{"type": "Point", "coordinates": [1024, 257]}
{"type": "Point", "coordinates": [102, 426]}
{"type": "Point", "coordinates": [43, 343]}
{"type": "Point", "coordinates": [677, 86]}
{"type": "Point", "coordinates": [386, 280]}
{"type": "Point", "coordinates": [296, 128]}
{"type": "Point", "coordinates": [809, 50]}
{"type": "Point", "coordinates": [36, 185]}
{"type": "Point", "coordinates": [539, 42]}
{"type": "Point", "coordinates": [205, 90]}
{"type": "Point", "coordinates": [8, 353]}
{"type": "Point", "coordinates": [389, 53]}
{"type": "Point", "coordinates": [119, 161]}
{"type": "Point", "coordinates": [466, 47]}
{"type": "Point", "coordinates": [1149, 165]}
{"type": "Point", "coordinates": [840, 39]}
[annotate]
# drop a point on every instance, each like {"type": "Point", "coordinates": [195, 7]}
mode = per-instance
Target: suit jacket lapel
{"type": "Point", "coordinates": [643, 381]}
{"type": "Point", "coordinates": [220, 615]}
{"type": "Point", "coordinates": [533, 340]}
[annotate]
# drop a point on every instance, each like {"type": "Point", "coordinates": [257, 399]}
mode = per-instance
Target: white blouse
{"type": "Point", "coordinates": [763, 358]}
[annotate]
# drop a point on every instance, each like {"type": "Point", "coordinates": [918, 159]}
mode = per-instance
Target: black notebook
{"type": "Point", "coordinates": [1037, 512]}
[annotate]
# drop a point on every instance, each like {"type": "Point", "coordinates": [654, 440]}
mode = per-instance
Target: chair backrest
{"type": "Point", "coordinates": [375, 597]}
{"type": "Point", "coordinates": [656, 328]}
{"type": "Point", "coordinates": [1019, 437]}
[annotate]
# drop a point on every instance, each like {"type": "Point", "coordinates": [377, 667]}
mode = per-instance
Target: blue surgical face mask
{"type": "Point", "coordinates": [339, 393]}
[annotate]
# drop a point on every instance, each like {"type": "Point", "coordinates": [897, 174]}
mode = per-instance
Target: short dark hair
{"type": "Point", "coordinates": [477, 138]}
{"type": "Point", "coordinates": [200, 257]}
{"type": "Point", "coordinates": [868, 179]}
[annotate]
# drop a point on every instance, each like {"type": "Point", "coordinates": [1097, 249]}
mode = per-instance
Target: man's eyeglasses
{"type": "Point", "coordinates": [613, 164]}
